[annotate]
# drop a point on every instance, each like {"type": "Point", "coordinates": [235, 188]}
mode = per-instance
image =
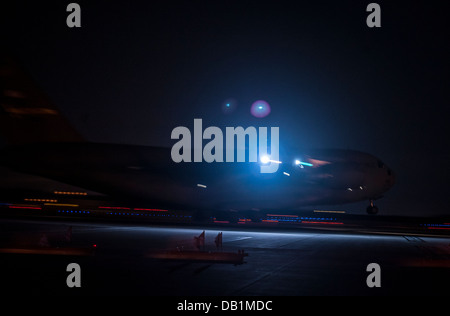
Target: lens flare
{"type": "Point", "coordinates": [229, 105]}
{"type": "Point", "coordinates": [260, 108]}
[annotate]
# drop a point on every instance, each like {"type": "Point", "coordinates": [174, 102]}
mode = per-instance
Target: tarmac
{"type": "Point", "coordinates": [114, 259]}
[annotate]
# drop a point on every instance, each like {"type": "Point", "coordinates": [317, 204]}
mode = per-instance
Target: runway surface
{"type": "Point", "coordinates": [279, 262]}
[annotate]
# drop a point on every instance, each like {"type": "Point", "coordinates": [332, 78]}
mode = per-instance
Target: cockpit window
{"type": "Point", "coordinates": [380, 164]}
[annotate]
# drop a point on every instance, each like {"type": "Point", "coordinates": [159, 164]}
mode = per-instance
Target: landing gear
{"type": "Point", "coordinates": [372, 209]}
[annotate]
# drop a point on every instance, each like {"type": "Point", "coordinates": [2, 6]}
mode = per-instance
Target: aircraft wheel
{"type": "Point", "coordinates": [372, 210]}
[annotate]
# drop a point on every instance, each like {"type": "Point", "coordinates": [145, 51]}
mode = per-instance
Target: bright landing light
{"type": "Point", "coordinates": [265, 159]}
{"type": "Point", "coordinates": [301, 163]}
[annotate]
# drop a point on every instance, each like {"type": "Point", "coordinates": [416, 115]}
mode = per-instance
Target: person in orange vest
{"type": "Point", "coordinates": [200, 241]}
{"type": "Point", "coordinates": [218, 241]}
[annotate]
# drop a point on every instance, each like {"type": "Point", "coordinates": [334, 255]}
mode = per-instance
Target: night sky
{"type": "Point", "coordinates": [135, 70]}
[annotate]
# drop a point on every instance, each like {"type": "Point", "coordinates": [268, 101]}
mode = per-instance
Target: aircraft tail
{"type": "Point", "coordinates": [26, 113]}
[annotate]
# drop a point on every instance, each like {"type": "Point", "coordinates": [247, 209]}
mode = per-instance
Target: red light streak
{"type": "Point", "coordinates": [329, 223]}
{"type": "Point", "coordinates": [446, 228]}
{"type": "Point", "coordinates": [26, 207]}
{"type": "Point", "coordinates": [150, 209]}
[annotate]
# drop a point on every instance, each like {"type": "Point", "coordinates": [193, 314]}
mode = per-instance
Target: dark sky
{"type": "Point", "coordinates": [135, 70]}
